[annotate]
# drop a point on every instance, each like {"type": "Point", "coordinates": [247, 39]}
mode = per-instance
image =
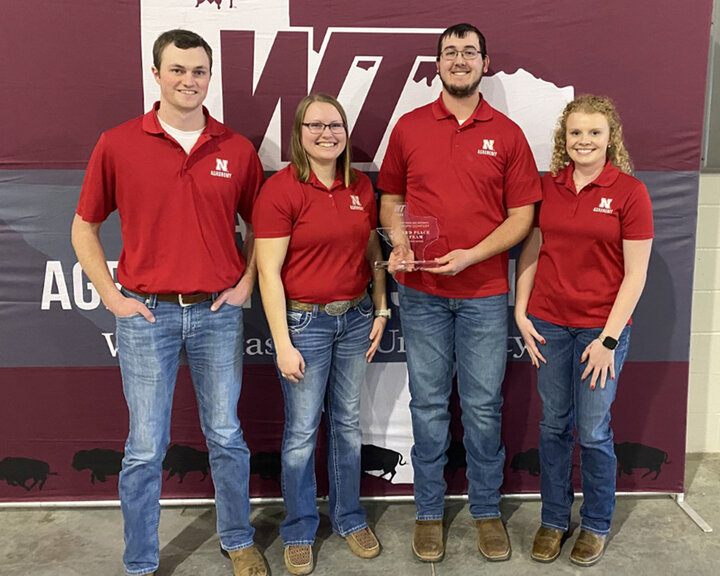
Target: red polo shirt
{"type": "Point", "coordinates": [329, 232]}
{"type": "Point", "coordinates": [464, 178]}
{"type": "Point", "coordinates": [177, 210]}
{"type": "Point", "coordinates": [580, 266]}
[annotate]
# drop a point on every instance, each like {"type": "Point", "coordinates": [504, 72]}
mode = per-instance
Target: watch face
{"type": "Point", "coordinates": [609, 343]}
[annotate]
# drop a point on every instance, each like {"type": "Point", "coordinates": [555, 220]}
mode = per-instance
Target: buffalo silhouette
{"type": "Point", "coordinates": [18, 471]}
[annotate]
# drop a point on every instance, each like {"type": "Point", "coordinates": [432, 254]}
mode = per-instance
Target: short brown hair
{"type": "Point", "coordinates": [183, 39]}
{"type": "Point", "coordinates": [462, 30]}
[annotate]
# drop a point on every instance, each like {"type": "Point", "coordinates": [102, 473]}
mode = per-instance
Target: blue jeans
{"type": "Point", "coordinates": [568, 402]}
{"type": "Point", "coordinates": [149, 359]}
{"type": "Point", "coordinates": [334, 351]}
{"type": "Point", "coordinates": [472, 332]}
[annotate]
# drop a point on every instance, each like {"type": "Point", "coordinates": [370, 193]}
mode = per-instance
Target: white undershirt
{"type": "Point", "coordinates": [185, 139]}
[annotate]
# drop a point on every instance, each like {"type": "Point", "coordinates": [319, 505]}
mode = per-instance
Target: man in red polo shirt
{"type": "Point", "coordinates": [178, 178]}
{"type": "Point", "coordinates": [466, 171]}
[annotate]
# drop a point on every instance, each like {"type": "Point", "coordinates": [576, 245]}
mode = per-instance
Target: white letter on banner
{"type": "Point", "coordinates": [521, 345]}
{"type": "Point", "coordinates": [54, 275]}
{"type": "Point", "coordinates": [112, 346]}
{"type": "Point", "coordinates": [78, 290]}
{"type": "Point", "coordinates": [253, 347]}
{"type": "Point", "coordinates": [112, 268]}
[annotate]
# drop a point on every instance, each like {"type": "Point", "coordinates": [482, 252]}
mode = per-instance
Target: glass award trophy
{"type": "Point", "coordinates": [415, 232]}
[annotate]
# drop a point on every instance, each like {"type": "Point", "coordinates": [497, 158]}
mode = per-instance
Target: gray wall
{"type": "Point", "coordinates": [711, 148]}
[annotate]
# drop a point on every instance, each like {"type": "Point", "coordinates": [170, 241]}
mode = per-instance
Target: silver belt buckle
{"type": "Point", "coordinates": [337, 308]}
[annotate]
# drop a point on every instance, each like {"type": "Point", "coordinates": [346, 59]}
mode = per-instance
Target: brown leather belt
{"type": "Point", "coordinates": [337, 308]}
{"type": "Point", "coordinates": [182, 299]}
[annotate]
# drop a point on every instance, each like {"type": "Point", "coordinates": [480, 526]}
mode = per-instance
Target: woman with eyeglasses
{"type": "Point", "coordinates": [315, 234]}
{"type": "Point", "coordinates": [580, 275]}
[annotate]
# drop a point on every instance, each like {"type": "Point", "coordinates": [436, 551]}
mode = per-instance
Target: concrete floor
{"type": "Point", "coordinates": [650, 535]}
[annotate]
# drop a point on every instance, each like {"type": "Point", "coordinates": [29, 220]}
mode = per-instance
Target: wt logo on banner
{"type": "Point", "coordinates": [264, 65]}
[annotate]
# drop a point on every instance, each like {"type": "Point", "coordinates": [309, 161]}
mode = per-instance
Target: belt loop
{"type": "Point", "coordinates": [151, 301]}
{"type": "Point", "coordinates": [315, 310]}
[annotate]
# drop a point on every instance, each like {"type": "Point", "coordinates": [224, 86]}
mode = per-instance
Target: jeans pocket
{"type": "Point", "coordinates": [127, 317]}
{"type": "Point", "coordinates": [229, 305]}
{"type": "Point", "coordinates": [297, 321]}
{"type": "Point", "coordinates": [366, 307]}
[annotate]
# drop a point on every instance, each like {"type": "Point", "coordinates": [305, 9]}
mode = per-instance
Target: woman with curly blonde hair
{"type": "Point", "coordinates": [617, 154]}
{"type": "Point", "coordinates": [581, 272]}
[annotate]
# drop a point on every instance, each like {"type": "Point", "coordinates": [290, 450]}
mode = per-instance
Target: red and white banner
{"type": "Point", "coordinates": [76, 68]}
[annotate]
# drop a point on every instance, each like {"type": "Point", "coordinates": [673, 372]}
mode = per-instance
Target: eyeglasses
{"type": "Point", "coordinates": [319, 127]}
{"type": "Point", "coordinates": [467, 53]}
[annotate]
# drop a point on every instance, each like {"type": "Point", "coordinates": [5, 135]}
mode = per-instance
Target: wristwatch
{"type": "Point", "coordinates": [608, 341]}
{"type": "Point", "coordinates": [383, 313]}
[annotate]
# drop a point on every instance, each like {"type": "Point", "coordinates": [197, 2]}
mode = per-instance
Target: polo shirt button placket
{"type": "Point", "coordinates": [579, 200]}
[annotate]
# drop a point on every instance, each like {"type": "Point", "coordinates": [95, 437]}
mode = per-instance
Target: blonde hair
{"type": "Point", "coordinates": [298, 156]}
{"type": "Point", "coordinates": [591, 104]}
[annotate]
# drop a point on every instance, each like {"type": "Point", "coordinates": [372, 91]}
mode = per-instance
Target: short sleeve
{"type": "Point", "coordinates": [97, 196]}
{"type": "Point", "coordinates": [392, 178]}
{"type": "Point", "coordinates": [274, 211]}
{"type": "Point", "coordinates": [522, 180]}
{"type": "Point", "coordinates": [253, 179]}
{"type": "Point", "coordinates": [367, 194]}
{"type": "Point", "coordinates": [637, 216]}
